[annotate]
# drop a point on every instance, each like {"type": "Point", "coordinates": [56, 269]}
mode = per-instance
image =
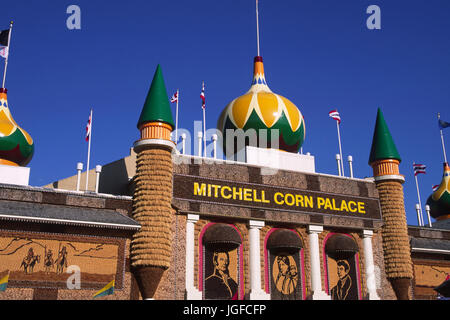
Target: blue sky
{"type": "Point", "coordinates": [319, 54]}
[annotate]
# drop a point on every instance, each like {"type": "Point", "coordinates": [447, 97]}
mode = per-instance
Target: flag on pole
{"type": "Point", "coordinates": [88, 128]}
{"type": "Point", "coordinates": [174, 97]}
{"type": "Point", "coordinates": [106, 291]}
{"type": "Point", "coordinates": [335, 115]}
{"type": "Point", "coordinates": [4, 38]}
{"type": "Point", "coordinates": [4, 52]}
{"type": "Point", "coordinates": [4, 282]}
{"type": "Point", "coordinates": [202, 95]}
{"type": "Point", "coordinates": [435, 187]}
{"type": "Point", "coordinates": [419, 168]}
{"type": "Point", "coordinates": [443, 124]}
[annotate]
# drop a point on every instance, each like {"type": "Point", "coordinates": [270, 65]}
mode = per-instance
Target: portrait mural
{"type": "Point", "coordinates": [37, 260]}
{"type": "Point", "coordinates": [342, 268]}
{"type": "Point", "coordinates": [283, 259]}
{"type": "Point", "coordinates": [221, 260]}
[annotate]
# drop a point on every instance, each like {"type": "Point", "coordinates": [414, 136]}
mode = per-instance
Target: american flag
{"type": "Point", "coordinates": [174, 97]}
{"type": "Point", "coordinates": [435, 187]}
{"type": "Point", "coordinates": [419, 168]}
{"type": "Point", "coordinates": [88, 127]}
{"type": "Point", "coordinates": [202, 95]}
{"type": "Point", "coordinates": [335, 115]}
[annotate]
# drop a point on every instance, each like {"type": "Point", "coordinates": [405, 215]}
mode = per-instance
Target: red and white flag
{"type": "Point", "coordinates": [335, 115]}
{"type": "Point", "coordinates": [419, 168]}
{"type": "Point", "coordinates": [435, 187]}
{"type": "Point", "coordinates": [4, 52]}
{"type": "Point", "coordinates": [174, 97]}
{"type": "Point", "coordinates": [88, 127]}
{"type": "Point", "coordinates": [202, 95]}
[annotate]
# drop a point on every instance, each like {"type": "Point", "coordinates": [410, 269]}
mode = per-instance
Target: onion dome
{"type": "Point", "coordinates": [439, 201]}
{"type": "Point", "coordinates": [383, 146]}
{"type": "Point", "coordinates": [260, 108]}
{"type": "Point", "coordinates": [16, 145]}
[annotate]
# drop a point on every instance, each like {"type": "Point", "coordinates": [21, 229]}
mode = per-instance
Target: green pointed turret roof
{"type": "Point", "coordinates": [383, 147]}
{"type": "Point", "coordinates": [157, 106]}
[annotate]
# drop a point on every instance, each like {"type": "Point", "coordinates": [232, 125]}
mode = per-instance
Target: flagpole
{"type": "Point", "coordinates": [204, 133]}
{"type": "Point", "coordinates": [340, 148]}
{"type": "Point", "coordinates": [418, 197]}
{"type": "Point", "coordinates": [89, 153]}
{"type": "Point", "coordinates": [257, 27]}
{"type": "Point", "coordinates": [7, 56]}
{"type": "Point", "coordinates": [176, 118]}
{"type": "Point", "coordinates": [442, 140]}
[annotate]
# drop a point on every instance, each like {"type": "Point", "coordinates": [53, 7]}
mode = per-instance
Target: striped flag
{"type": "Point", "coordinates": [88, 127]}
{"type": "Point", "coordinates": [4, 52]}
{"type": "Point", "coordinates": [202, 95]}
{"type": "Point", "coordinates": [419, 168]}
{"type": "Point", "coordinates": [335, 115]}
{"type": "Point", "coordinates": [106, 291]}
{"type": "Point", "coordinates": [4, 282]}
{"type": "Point", "coordinates": [435, 187]}
{"type": "Point", "coordinates": [174, 97]}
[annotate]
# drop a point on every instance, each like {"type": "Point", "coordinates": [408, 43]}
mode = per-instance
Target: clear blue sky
{"type": "Point", "coordinates": [319, 54]}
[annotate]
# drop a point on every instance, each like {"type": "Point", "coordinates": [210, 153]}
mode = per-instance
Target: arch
{"type": "Point", "coordinates": [216, 239]}
{"type": "Point", "coordinates": [340, 251]}
{"type": "Point", "coordinates": [284, 244]}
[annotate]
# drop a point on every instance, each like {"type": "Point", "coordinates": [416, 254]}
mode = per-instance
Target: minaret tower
{"type": "Point", "coordinates": [384, 160]}
{"type": "Point", "coordinates": [151, 246]}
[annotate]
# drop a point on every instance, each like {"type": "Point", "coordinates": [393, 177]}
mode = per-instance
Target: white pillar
{"type": "Point", "coordinates": [316, 278]}
{"type": "Point", "coordinates": [79, 169]}
{"type": "Point", "coordinates": [338, 160]}
{"type": "Point", "coordinates": [98, 169]}
{"type": "Point", "coordinates": [256, 292]}
{"type": "Point", "coordinates": [369, 266]}
{"type": "Point", "coordinates": [214, 138]}
{"type": "Point", "coordinates": [350, 164]}
{"type": "Point", "coordinates": [427, 209]}
{"type": "Point", "coordinates": [418, 215]}
{"type": "Point", "coordinates": [183, 143]}
{"type": "Point", "coordinates": [199, 136]}
{"type": "Point", "coordinates": [191, 292]}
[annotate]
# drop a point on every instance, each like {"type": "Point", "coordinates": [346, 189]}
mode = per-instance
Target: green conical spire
{"type": "Point", "coordinates": [383, 147]}
{"type": "Point", "coordinates": [157, 106]}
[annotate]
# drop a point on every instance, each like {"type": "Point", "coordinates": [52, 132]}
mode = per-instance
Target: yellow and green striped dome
{"type": "Point", "coordinates": [439, 200]}
{"type": "Point", "coordinates": [16, 145]}
{"type": "Point", "coordinates": [260, 108]}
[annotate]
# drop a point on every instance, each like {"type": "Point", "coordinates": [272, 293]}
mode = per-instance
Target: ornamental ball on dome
{"type": "Point", "coordinates": [439, 200]}
{"type": "Point", "coordinates": [16, 145]}
{"type": "Point", "coordinates": [260, 108]}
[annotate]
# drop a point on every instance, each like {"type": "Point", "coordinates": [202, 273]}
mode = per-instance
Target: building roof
{"type": "Point", "coordinates": [430, 245]}
{"type": "Point", "coordinates": [383, 146]}
{"type": "Point", "coordinates": [65, 215]}
{"type": "Point", "coordinates": [157, 107]}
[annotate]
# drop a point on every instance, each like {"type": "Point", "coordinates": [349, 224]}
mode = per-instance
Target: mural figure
{"type": "Point", "coordinates": [341, 290]}
{"type": "Point", "coordinates": [287, 276]}
{"type": "Point", "coordinates": [61, 261]}
{"type": "Point", "coordinates": [29, 261]}
{"type": "Point", "coordinates": [220, 285]}
{"type": "Point", "coordinates": [48, 261]}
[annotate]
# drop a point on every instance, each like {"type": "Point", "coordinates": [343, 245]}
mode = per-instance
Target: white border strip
{"type": "Point", "coordinates": [431, 250]}
{"type": "Point", "coordinates": [64, 221]}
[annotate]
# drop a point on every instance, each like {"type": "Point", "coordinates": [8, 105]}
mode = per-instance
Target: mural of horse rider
{"type": "Point", "coordinates": [287, 276]}
{"type": "Point", "coordinates": [61, 261]}
{"type": "Point", "coordinates": [48, 261]}
{"type": "Point", "coordinates": [220, 285]}
{"type": "Point", "coordinates": [29, 261]}
{"type": "Point", "coordinates": [341, 290]}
